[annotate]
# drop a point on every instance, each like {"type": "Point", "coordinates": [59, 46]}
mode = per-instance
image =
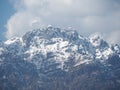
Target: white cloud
{"type": "Point", "coordinates": [114, 37]}
{"type": "Point", "coordinates": [88, 16]}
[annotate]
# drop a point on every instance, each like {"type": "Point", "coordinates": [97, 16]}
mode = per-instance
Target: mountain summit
{"type": "Point", "coordinates": [57, 59]}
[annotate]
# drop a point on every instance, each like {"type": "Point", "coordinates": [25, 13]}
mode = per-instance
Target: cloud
{"type": "Point", "coordinates": [20, 23]}
{"type": "Point", "coordinates": [113, 37]}
{"type": "Point", "coordinates": [87, 16]}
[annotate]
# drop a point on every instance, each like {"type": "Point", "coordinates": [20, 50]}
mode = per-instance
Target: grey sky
{"type": "Point", "coordinates": [86, 16]}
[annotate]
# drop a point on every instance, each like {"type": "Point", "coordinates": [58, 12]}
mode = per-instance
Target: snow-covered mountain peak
{"type": "Point", "coordinates": [13, 40]}
{"type": "Point", "coordinates": [96, 39]}
{"type": "Point", "coordinates": [50, 34]}
{"type": "Point", "coordinates": [61, 43]}
{"type": "Point", "coordinates": [116, 48]}
{"type": "Point", "coordinates": [14, 45]}
{"type": "Point", "coordinates": [58, 45]}
{"type": "Point", "coordinates": [50, 57]}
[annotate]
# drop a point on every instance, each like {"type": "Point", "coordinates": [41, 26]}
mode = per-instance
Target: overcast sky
{"type": "Point", "coordinates": [86, 16]}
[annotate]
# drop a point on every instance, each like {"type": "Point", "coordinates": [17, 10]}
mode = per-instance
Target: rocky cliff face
{"type": "Point", "coordinates": [56, 59]}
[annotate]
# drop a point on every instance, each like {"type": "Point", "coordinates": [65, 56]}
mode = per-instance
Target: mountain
{"type": "Point", "coordinates": [52, 58]}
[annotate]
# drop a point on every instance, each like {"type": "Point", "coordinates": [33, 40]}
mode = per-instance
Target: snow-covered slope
{"type": "Point", "coordinates": [58, 46]}
{"type": "Point", "coordinates": [60, 59]}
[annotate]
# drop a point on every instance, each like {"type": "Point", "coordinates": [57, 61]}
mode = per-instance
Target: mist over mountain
{"type": "Point", "coordinates": [52, 58]}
